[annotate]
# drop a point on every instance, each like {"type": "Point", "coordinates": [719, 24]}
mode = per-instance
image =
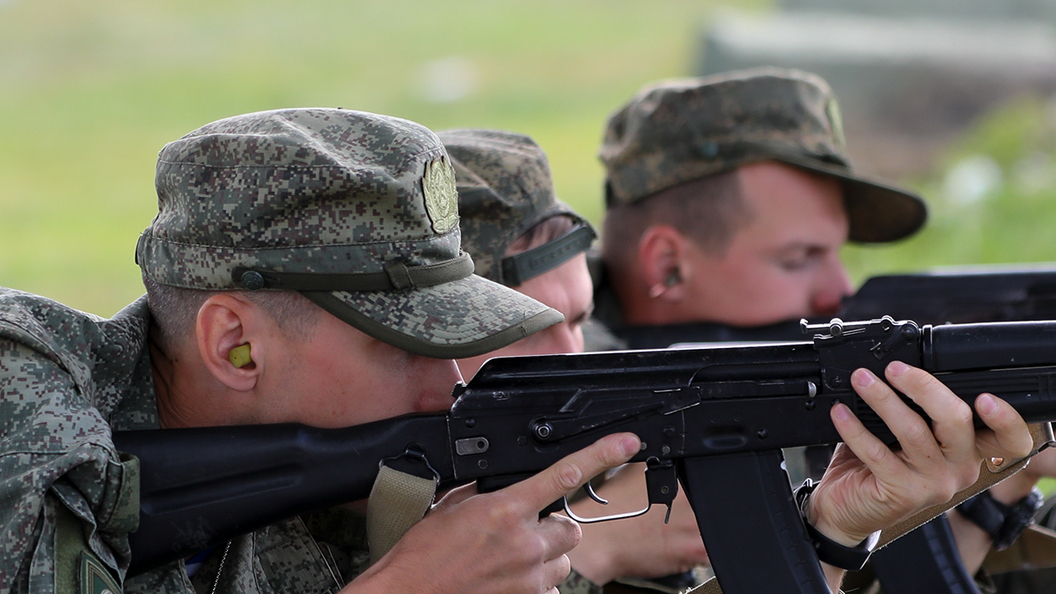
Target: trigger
{"type": "Point", "coordinates": [661, 483]}
{"type": "Point", "coordinates": [594, 494]}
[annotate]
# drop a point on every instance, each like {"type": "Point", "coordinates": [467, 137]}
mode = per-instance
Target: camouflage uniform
{"type": "Point", "coordinates": [65, 379]}
{"type": "Point", "coordinates": [357, 212]}
{"type": "Point", "coordinates": [677, 131]}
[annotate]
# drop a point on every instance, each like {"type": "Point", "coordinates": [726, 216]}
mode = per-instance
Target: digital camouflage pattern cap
{"type": "Point", "coordinates": [505, 189]}
{"type": "Point", "coordinates": [680, 130]}
{"type": "Point", "coordinates": [356, 211]}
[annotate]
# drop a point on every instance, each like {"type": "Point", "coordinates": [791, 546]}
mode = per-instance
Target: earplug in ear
{"type": "Point", "coordinates": [239, 356]}
{"type": "Point", "coordinates": [673, 278]}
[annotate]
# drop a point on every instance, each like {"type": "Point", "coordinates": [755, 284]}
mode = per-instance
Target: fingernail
{"type": "Point", "coordinates": [985, 404]}
{"type": "Point", "coordinates": [863, 378]}
{"type": "Point", "coordinates": [630, 445]}
{"type": "Point", "coordinates": [897, 368]}
{"type": "Point", "coordinates": [840, 411]}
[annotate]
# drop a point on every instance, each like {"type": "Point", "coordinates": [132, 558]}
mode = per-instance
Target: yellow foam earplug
{"type": "Point", "coordinates": [239, 356]}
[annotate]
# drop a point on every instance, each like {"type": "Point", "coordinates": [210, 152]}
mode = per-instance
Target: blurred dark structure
{"type": "Point", "coordinates": [909, 74]}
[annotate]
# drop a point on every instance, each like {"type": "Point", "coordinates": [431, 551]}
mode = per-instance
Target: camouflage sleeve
{"type": "Point", "coordinates": [577, 584]}
{"type": "Point", "coordinates": [56, 461]}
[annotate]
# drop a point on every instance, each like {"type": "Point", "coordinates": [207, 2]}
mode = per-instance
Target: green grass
{"type": "Point", "coordinates": [89, 92]}
{"type": "Point", "coordinates": [1013, 223]}
{"type": "Point", "coordinates": [1047, 486]}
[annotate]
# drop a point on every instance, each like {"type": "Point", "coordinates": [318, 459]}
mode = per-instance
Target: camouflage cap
{"type": "Point", "coordinates": [505, 189]}
{"type": "Point", "coordinates": [680, 130]}
{"type": "Point", "coordinates": [356, 211]}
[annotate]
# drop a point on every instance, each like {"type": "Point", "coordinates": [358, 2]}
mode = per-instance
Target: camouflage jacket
{"type": "Point", "coordinates": [66, 378]}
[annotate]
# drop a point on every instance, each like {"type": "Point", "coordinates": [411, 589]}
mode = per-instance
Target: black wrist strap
{"type": "Point", "coordinates": [830, 551]}
{"type": "Point", "coordinates": [1004, 523]}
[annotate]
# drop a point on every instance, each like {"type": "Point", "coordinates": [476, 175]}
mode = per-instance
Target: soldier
{"type": "Point", "coordinates": [731, 196]}
{"type": "Point", "coordinates": [355, 216]}
{"type": "Point", "coordinates": [304, 266]}
{"type": "Point", "coordinates": [521, 235]}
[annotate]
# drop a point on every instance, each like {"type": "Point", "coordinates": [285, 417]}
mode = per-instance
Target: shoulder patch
{"type": "Point", "coordinates": [441, 198]}
{"type": "Point", "coordinates": [95, 579]}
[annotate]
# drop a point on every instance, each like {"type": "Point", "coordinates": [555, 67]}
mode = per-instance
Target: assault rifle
{"type": "Point", "coordinates": [959, 295]}
{"type": "Point", "coordinates": [944, 295]}
{"type": "Point", "coordinates": [712, 419]}
{"type": "Point", "coordinates": [927, 559]}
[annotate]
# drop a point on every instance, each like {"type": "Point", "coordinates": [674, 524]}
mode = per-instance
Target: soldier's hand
{"type": "Point", "coordinates": [868, 486]}
{"type": "Point", "coordinates": [495, 542]}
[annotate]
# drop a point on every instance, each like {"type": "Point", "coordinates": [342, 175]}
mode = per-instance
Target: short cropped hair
{"type": "Point", "coordinates": [708, 210]}
{"type": "Point", "coordinates": [175, 311]}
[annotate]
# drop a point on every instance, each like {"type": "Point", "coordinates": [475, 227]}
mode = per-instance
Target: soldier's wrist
{"type": "Point", "coordinates": [819, 521]}
{"type": "Point", "coordinates": [1014, 488]}
{"type": "Point", "coordinates": [834, 547]}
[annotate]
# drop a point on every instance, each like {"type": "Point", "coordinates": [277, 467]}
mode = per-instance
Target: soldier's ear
{"type": "Point", "coordinates": [661, 252]}
{"type": "Point", "coordinates": [231, 333]}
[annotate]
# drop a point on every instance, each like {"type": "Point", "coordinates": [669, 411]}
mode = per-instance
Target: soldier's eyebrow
{"type": "Point", "coordinates": [801, 246]}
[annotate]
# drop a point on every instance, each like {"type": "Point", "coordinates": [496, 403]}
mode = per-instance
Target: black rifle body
{"type": "Point", "coordinates": [958, 295]}
{"type": "Point", "coordinates": [926, 560]}
{"type": "Point", "coordinates": [942, 296]}
{"type": "Point", "coordinates": [715, 418]}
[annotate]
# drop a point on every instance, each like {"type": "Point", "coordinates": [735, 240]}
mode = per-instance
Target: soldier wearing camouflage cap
{"type": "Point", "coordinates": [504, 192]}
{"type": "Point", "coordinates": [520, 234]}
{"type": "Point", "coordinates": [731, 195]}
{"type": "Point", "coordinates": [396, 274]}
{"type": "Point", "coordinates": [304, 266]}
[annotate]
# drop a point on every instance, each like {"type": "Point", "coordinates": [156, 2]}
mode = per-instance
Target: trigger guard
{"type": "Point", "coordinates": [661, 482]}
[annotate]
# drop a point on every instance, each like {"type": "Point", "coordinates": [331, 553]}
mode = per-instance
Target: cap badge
{"type": "Point", "coordinates": [441, 198]}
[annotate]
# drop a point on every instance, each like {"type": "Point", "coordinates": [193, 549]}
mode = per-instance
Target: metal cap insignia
{"type": "Point", "coordinates": [441, 199]}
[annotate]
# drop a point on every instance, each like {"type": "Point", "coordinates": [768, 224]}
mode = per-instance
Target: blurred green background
{"type": "Point", "coordinates": [90, 91]}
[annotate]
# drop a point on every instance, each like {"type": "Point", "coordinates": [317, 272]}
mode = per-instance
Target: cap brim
{"type": "Point", "coordinates": [876, 212]}
{"type": "Point", "coordinates": [463, 318]}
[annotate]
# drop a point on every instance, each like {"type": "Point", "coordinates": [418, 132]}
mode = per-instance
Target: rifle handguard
{"type": "Point", "coordinates": [830, 551]}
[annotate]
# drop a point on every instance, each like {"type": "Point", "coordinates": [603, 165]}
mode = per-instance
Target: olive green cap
{"type": "Point", "coordinates": [680, 130]}
{"type": "Point", "coordinates": [356, 211]}
{"type": "Point", "coordinates": [505, 189]}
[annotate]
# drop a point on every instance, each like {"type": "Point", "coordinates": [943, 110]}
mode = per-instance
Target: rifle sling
{"type": "Point", "coordinates": [988, 477]}
{"type": "Point", "coordinates": [397, 501]}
